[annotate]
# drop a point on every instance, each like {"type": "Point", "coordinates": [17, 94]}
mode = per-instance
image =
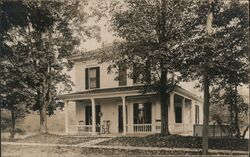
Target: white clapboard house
{"type": "Point", "coordinates": [100, 104]}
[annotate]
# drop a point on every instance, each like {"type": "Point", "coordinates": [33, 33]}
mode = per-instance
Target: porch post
{"type": "Point", "coordinates": [124, 115]}
{"type": "Point", "coordinates": [183, 110]}
{"type": "Point", "coordinates": [66, 117]}
{"type": "Point", "coordinates": [93, 117]}
{"type": "Point", "coordinates": [171, 112]}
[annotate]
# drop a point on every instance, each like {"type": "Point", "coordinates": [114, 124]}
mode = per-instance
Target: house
{"type": "Point", "coordinates": [99, 104]}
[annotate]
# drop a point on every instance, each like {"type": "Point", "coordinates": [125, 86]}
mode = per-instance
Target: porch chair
{"type": "Point", "coordinates": [81, 127]}
{"type": "Point", "coordinates": [157, 124]}
{"type": "Point", "coordinates": [105, 127]}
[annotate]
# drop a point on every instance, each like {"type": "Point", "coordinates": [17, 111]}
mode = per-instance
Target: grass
{"type": "Point", "coordinates": [28, 151]}
{"type": "Point", "coordinates": [157, 140]}
{"type": "Point", "coordinates": [52, 139]}
{"type": "Point", "coordinates": [177, 141]}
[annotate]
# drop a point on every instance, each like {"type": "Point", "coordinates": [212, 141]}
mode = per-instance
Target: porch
{"type": "Point", "coordinates": [128, 113]}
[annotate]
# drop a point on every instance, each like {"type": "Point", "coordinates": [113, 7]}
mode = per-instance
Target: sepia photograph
{"type": "Point", "coordinates": [106, 78]}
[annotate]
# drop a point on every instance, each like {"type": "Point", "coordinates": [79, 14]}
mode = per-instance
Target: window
{"type": "Point", "coordinates": [92, 78]}
{"type": "Point", "coordinates": [178, 114]}
{"type": "Point", "coordinates": [137, 74]}
{"type": "Point", "coordinates": [142, 113]}
{"type": "Point", "coordinates": [197, 120]}
{"type": "Point", "coordinates": [122, 75]}
{"type": "Point", "coordinates": [88, 114]}
{"type": "Point", "coordinates": [142, 73]}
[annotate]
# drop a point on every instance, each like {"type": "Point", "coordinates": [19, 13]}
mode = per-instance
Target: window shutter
{"type": "Point", "coordinates": [86, 78]}
{"type": "Point", "coordinates": [97, 77]}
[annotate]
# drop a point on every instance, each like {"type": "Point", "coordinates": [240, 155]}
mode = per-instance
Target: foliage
{"type": "Point", "coordinates": [41, 46]}
{"type": "Point", "coordinates": [151, 31]}
{"type": "Point", "coordinates": [224, 53]}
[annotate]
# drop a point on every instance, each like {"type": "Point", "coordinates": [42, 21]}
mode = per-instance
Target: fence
{"type": "Point", "coordinates": [214, 131]}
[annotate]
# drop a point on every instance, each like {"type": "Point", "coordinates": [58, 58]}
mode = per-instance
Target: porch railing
{"type": "Point", "coordinates": [84, 129]}
{"type": "Point", "coordinates": [80, 129]}
{"type": "Point", "coordinates": [142, 127]}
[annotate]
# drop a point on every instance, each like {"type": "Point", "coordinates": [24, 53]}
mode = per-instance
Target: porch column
{"type": "Point", "coordinates": [93, 117]}
{"type": "Point", "coordinates": [66, 117]}
{"type": "Point", "coordinates": [171, 112]}
{"type": "Point", "coordinates": [183, 110]}
{"type": "Point", "coordinates": [124, 115]}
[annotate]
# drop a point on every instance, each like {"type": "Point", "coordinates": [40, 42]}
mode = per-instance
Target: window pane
{"type": "Point", "coordinates": [92, 83]}
{"type": "Point", "coordinates": [178, 114]}
{"type": "Point", "coordinates": [92, 73]}
{"type": "Point", "coordinates": [92, 77]}
{"type": "Point", "coordinates": [142, 113]}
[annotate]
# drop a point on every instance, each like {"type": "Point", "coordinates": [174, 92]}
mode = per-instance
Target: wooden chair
{"type": "Point", "coordinates": [157, 124]}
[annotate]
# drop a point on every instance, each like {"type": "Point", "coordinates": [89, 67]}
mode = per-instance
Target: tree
{"type": "Point", "coordinates": [151, 31]}
{"type": "Point", "coordinates": [224, 111]}
{"type": "Point", "coordinates": [45, 45]}
{"type": "Point", "coordinates": [223, 52]}
{"type": "Point", "coordinates": [234, 49]}
{"type": "Point", "coordinates": [15, 96]}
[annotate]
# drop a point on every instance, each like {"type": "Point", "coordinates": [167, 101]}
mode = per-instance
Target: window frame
{"type": "Point", "coordinates": [148, 117]}
{"type": "Point", "coordinates": [181, 113]}
{"type": "Point", "coordinates": [88, 79]}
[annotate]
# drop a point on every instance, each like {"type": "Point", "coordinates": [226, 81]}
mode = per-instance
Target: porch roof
{"type": "Point", "coordinates": [121, 91]}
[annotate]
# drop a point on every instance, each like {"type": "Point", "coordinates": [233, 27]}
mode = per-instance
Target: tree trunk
{"type": "Point", "coordinates": [13, 124]}
{"type": "Point", "coordinates": [164, 114]}
{"type": "Point", "coordinates": [237, 128]}
{"type": "Point", "coordinates": [205, 114]}
{"type": "Point", "coordinates": [164, 104]}
{"type": "Point", "coordinates": [236, 110]}
{"type": "Point", "coordinates": [43, 120]}
{"type": "Point", "coordinates": [206, 85]}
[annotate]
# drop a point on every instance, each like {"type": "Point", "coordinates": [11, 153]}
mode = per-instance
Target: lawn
{"type": "Point", "coordinates": [173, 141]}
{"type": "Point", "coordinates": [177, 141]}
{"type": "Point", "coordinates": [53, 139]}
{"type": "Point", "coordinates": [30, 151]}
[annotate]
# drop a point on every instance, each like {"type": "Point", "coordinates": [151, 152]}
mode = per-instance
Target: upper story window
{"type": "Point", "coordinates": [142, 73]}
{"type": "Point", "coordinates": [92, 78]}
{"type": "Point", "coordinates": [122, 75]}
{"type": "Point", "coordinates": [137, 74]}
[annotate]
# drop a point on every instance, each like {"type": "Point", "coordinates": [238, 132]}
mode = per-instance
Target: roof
{"type": "Point", "coordinates": [94, 54]}
{"type": "Point", "coordinates": [137, 89]}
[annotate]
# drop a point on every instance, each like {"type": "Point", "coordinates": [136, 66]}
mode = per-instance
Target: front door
{"type": "Point", "coordinates": [120, 119]}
